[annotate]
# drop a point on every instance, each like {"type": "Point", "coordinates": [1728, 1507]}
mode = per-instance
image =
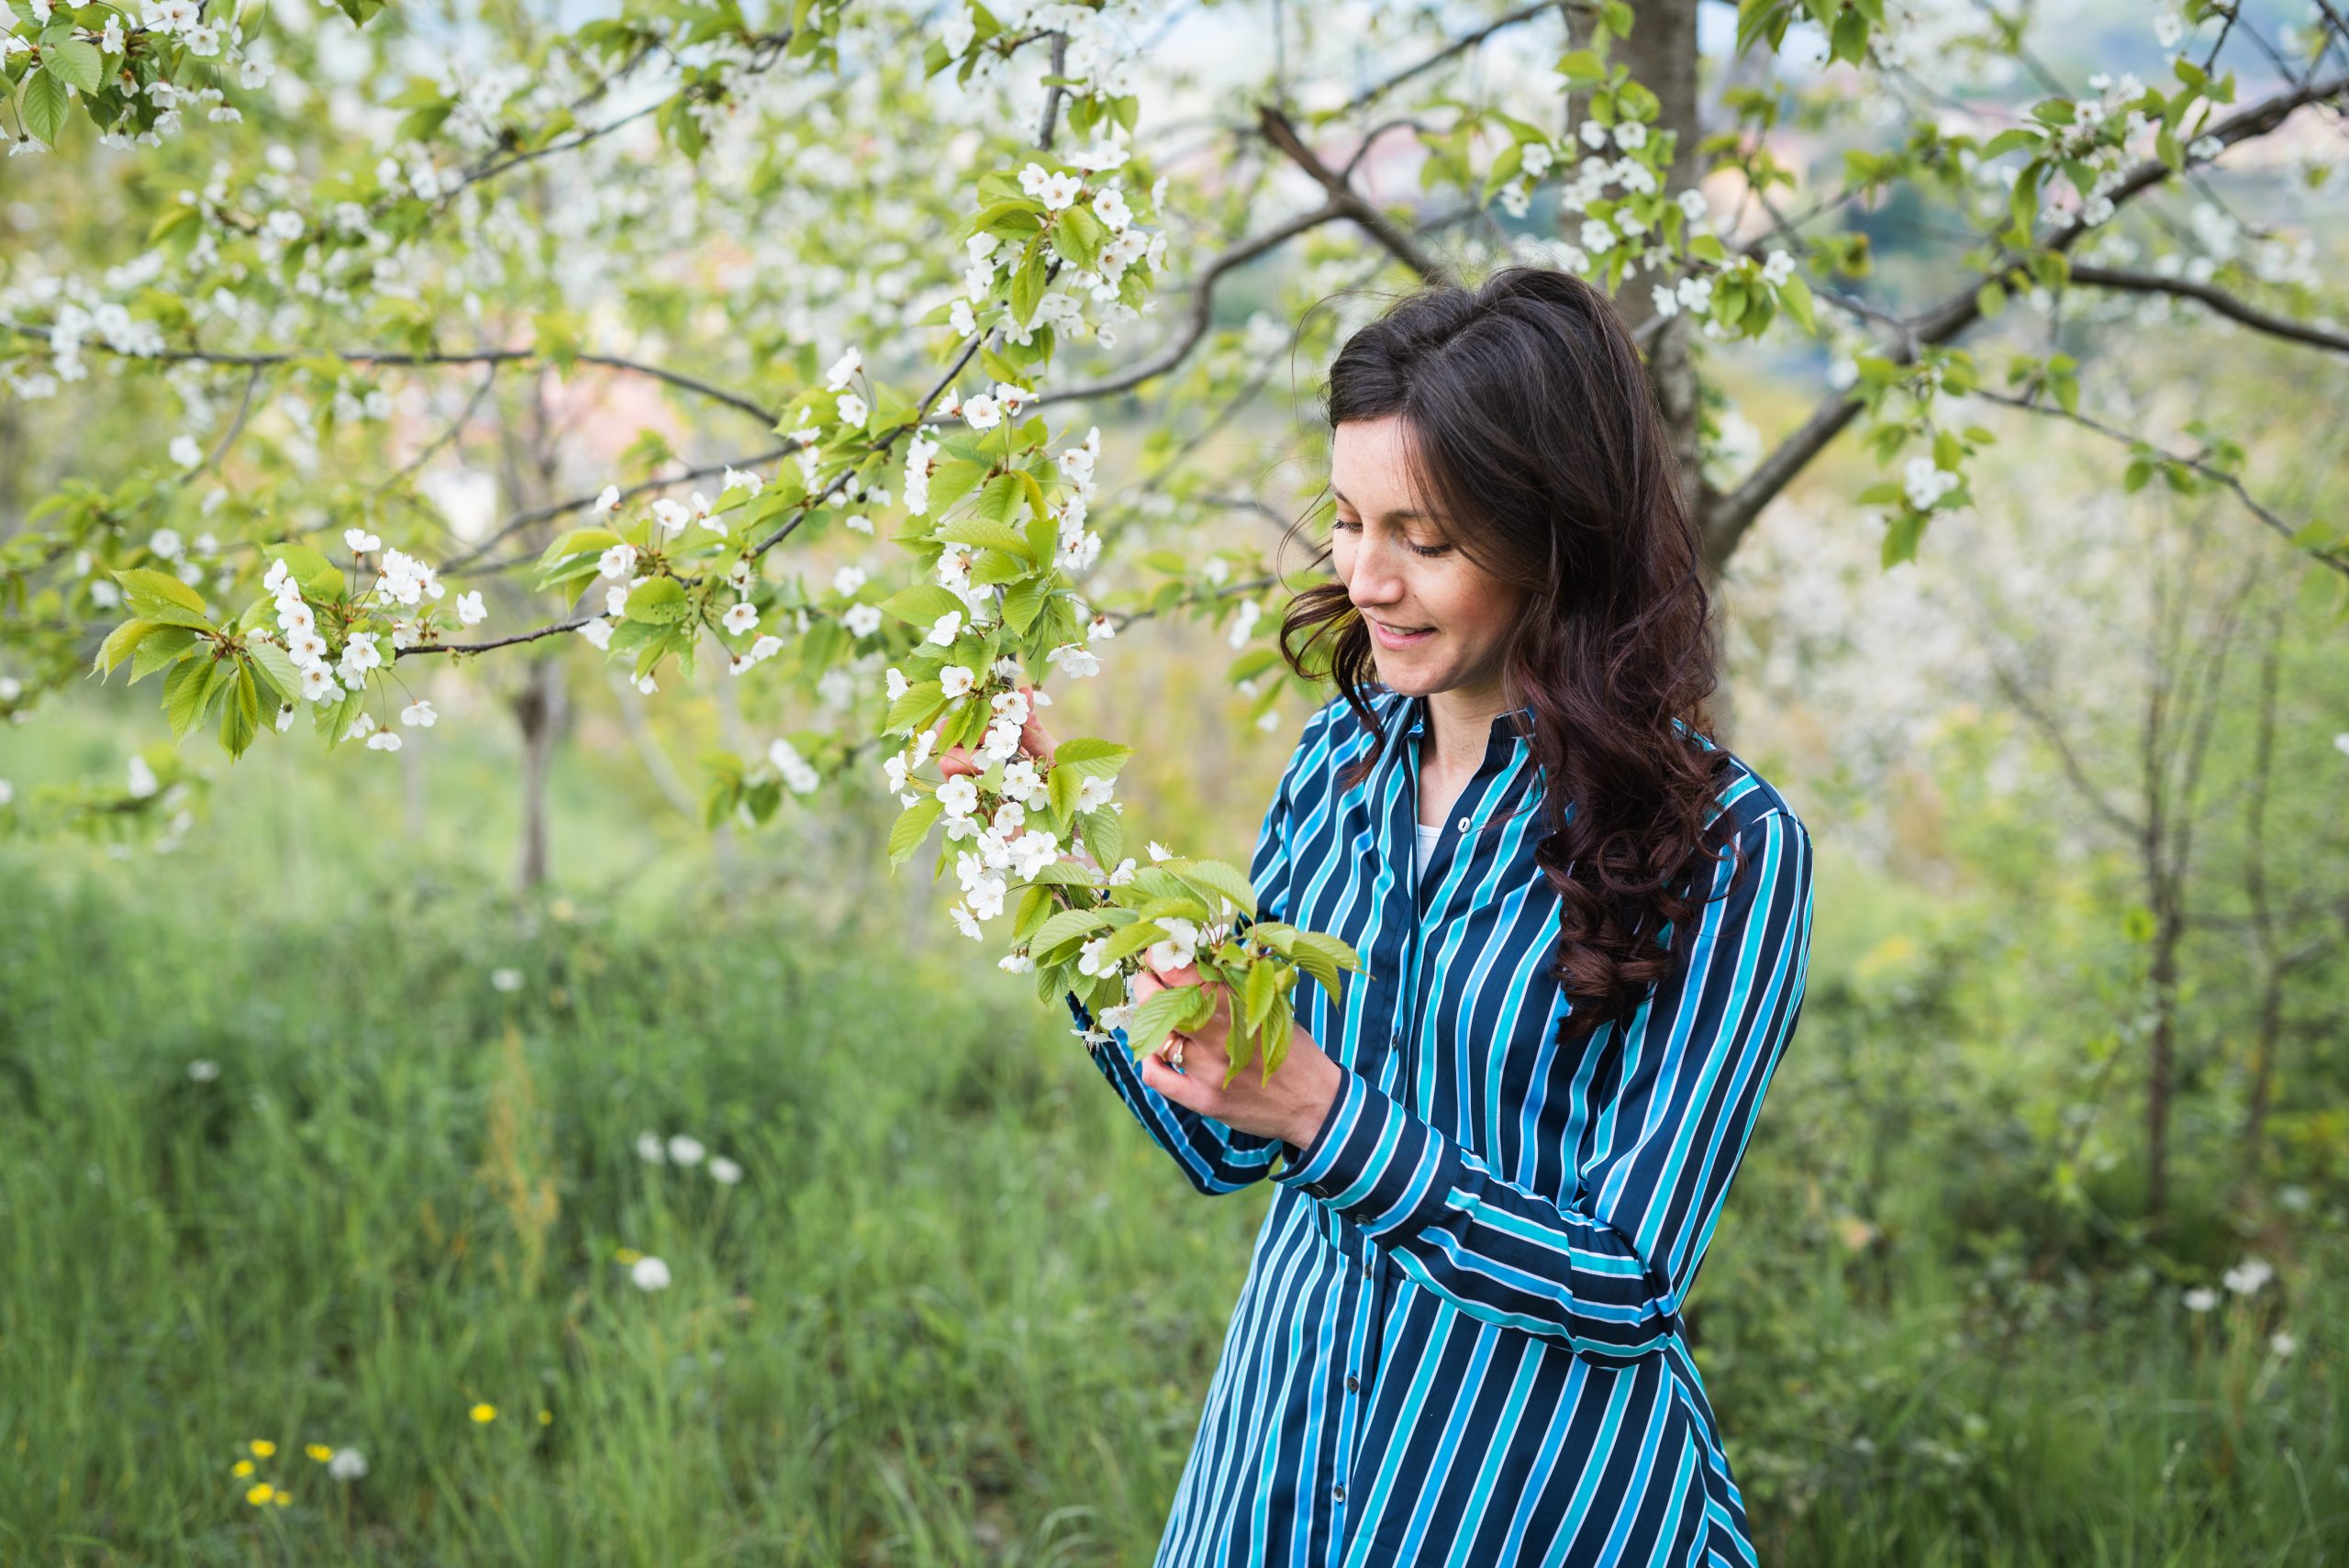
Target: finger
{"type": "Point", "coordinates": [1034, 739]}
{"type": "Point", "coordinates": [957, 760]}
{"type": "Point", "coordinates": [1182, 1091]}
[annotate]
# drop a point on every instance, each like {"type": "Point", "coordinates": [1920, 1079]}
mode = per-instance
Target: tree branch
{"type": "Point", "coordinates": [2283, 528]}
{"type": "Point", "coordinates": [1202, 307]}
{"type": "Point", "coordinates": [2225, 304]}
{"type": "Point", "coordinates": [473, 357]}
{"type": "Point", "coordinates": [1733, 513]}
{"type": "Point", "coordinates": [1349, 201]}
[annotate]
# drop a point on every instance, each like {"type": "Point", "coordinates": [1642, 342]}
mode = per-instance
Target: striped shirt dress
{"type": "Point", "coordinates": [1460, 1338]}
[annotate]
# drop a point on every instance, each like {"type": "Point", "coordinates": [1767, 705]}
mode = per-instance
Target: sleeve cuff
{"type": "Point", "coordinates": [1375, 1162]}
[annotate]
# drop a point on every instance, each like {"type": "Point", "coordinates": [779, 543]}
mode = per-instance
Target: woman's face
{"type": "Point", "coordinates": [1401, 573]}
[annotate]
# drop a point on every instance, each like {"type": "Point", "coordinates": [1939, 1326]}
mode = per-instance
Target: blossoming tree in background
{"type": "Point", "coordinates": [885, 262]}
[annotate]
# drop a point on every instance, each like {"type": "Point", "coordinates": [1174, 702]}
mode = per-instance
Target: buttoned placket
{"type": "Point", "coordinates": [1395, 1074]}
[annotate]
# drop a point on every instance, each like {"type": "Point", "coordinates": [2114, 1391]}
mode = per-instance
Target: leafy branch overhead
{"type": "Point", "coordinates": [358, 270]}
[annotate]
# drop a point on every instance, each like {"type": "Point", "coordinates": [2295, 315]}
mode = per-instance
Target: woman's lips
{"type": "Point", "coordinates": [1390, 640]}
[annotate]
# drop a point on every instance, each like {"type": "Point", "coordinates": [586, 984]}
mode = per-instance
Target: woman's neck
{"type": "Point", "coordinates": [1459, 723]}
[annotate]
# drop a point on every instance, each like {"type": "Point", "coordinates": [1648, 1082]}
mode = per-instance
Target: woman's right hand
{"type": "Point", "coordinates": [1035, 742]}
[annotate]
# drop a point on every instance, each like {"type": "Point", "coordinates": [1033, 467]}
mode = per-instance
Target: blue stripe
{"type": "Point", "coordinates": [1492, 1236]}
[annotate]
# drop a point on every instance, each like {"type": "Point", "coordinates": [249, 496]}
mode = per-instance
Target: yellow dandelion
{"type": "Point", "coordinates": [628, 1255]}
{"type": "Point", "coordinates": [485, 1413]}
{"type": "Point", "coordinates": [262, 1448]}
{"type": "Point", "coordinates": [546, 1418]}
{"type": "Point", "coordinates": [320, 1451]}
{"type": "Point", "coordinates": [261, 1492]}
{"type": "Point", "coordinates": [242, 1467]}
{"type": "Point", "coordinates": [282, 1498]}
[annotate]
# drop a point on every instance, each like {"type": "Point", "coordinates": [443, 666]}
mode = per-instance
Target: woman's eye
{"type": "Point", "coordinates": [1419, 549]}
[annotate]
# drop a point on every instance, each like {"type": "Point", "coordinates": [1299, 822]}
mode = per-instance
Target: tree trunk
{"type": "Point", "coordinates": [540, 709]}
{"type": "Point", "coordinates": [1660, 51]}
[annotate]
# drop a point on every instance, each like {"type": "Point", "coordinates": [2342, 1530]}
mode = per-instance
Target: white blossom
{"type": "Point", "coordinates": [2247, 1277]}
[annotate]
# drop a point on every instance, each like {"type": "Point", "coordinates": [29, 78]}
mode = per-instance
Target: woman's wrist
{"type": "Point", "coordinates": [1322, 1089]}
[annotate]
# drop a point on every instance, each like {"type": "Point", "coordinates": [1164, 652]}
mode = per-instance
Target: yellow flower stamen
{"type": "Point", "coordinates": [262, 1448]}
{"type": "Point", "coordinates": [242, 1467]}
{"type": "Point", "coordinates": [485, 1413]}
{"type": "Point", "coordinates": [261, 1492]}
{"type": "Point", "coordinates": [320, 1451]}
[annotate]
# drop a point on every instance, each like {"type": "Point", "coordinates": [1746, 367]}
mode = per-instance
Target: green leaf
{"type": "Point", "coordinates": [76, 60]}
{"type": "Point", "coordinates": [916, 707]}
{"type": "Point", "coordinates": [312, 569]}
{"type": "Point", "coordinates": [1105, 837]}
{"type": "Point", "coordinates": [158, 650]}
{"type": "Point", "coordinates": [1217, 876]}
{"type": "Point", "coordinates": [1022, 603]}
{"type": "Point", "coordinates": [1063, 784]}
{"type": "Point", "coordinates": [955, 478]}
{"type": "Point", "coordinates": [921, 604]}
{"type": "Point", "coordinates": [240, 713]}
{"type": "Point", "coordinates": [1581, 68]}
{"type": "Point", "coordinates": [275, 668]}
{"type": "Point", "coordinates": [121, 642]}
{"type": "Point", "coordinates": [1079, 235]}
{"type": "Point", "coordinates": [1161, 1013]}
{"type": "Point", "coordinates": [1032, 910]}
{"type": "Point", "coordinates": [40, 103]}
{"type": "Point", "coordinates": [1069, 925]}
{"type": "Point", "coordinates": [1794, 294]}
{"type": "Point", "coordinates": [660, 602]}
{"type": "Point", "coordinates": [1091, 757]}
{"type": "Point", "coordinates": [184, 693]}
{"type": "Point", "coordinates": [1027, 283]}
{"type": "Point", "coordinates": [1130, 940]}
{"type": "Point", "coordinates": [912, 827]}
{"type": "Point", "coordinates": [1000, 500]}
{"type": "Point", "coordinates": [1262, 990]}
{"type": "Point", "coordinates": [159, 595]}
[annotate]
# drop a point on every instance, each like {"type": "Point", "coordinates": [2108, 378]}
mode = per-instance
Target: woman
{"type": "Point", "coordinates": [1499, 1160]}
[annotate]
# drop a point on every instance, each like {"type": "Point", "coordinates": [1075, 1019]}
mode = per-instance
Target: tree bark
{"type": "Point", "coordinates": [542, 710]}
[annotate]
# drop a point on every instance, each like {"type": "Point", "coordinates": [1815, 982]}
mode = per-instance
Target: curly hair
{"type": "Point", "coordinates": [1531, 422]}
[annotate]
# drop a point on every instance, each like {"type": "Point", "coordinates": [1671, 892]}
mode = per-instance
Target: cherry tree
{"type": "Point", "coordinates": [889, 271]}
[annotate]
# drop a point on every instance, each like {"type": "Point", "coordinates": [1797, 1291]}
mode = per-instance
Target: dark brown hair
{"type": "Point", "coordinates": [1534, 436]}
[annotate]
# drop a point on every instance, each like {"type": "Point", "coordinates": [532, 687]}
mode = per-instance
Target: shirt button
{"type": "Point", "coordinates": [1463, 825]}
{"type": "Point", "coordinates": [1338, 1493]}
{"type": "Point", "coordinates": [1352, 1383]}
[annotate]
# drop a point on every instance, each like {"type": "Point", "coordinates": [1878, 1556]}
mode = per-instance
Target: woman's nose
{"type": "Point", "coordinates": [1378, 575]}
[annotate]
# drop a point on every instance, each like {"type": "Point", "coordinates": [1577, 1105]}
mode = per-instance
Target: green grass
{"type": "Point", "coordinates": [959, 1310]}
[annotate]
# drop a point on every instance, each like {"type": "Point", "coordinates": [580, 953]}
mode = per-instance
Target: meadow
{"type": "Point", "coordinates": [311, 1135]}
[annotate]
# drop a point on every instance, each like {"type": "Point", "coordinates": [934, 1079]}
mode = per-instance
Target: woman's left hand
{"type": "Point", "coordinates": [1292, 1104]}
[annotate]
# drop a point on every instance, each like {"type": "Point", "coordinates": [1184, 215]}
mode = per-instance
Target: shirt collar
{"type": "Point", "coordinates": [1413, 717]}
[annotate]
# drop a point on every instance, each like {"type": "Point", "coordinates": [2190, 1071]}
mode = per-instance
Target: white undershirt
{"type": "Point", "coordinates": [1428, 836]}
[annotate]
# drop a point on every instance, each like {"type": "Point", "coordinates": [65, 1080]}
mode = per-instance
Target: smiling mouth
{"type": "Point", "coordinates": [1386, 636]}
